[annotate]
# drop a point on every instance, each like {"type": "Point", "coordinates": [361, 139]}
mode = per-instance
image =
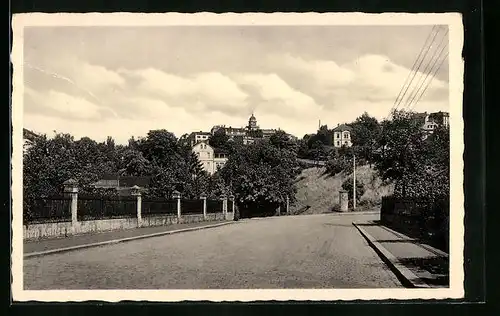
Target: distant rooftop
{"type": "Point", "coordinates": [342, 127]}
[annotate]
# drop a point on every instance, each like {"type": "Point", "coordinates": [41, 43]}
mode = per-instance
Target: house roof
{"type": "Point", "coordinates": [126, 181]}
{"type": "Point", "coordinates": [205, 142]}
{"type": "Point", "coordinates": [342, 128]}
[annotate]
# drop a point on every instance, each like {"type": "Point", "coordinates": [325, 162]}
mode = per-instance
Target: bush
{"type": "Point", "coordinates": [337, 165]}
{"type": "Point", "coordinates": [348, 186]}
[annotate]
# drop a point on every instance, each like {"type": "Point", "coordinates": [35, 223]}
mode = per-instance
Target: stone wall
{"type": "Point", "coordinates": [65, 229]}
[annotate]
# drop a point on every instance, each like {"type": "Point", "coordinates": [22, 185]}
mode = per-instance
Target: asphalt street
{"type": "Point", "coordinates": [313, 251]}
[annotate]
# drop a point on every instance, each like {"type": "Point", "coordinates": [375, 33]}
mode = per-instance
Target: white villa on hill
{"type": "Point", "coordinates": [342, 136]}
{"type": "Point", "coordinates": [430, 121]}
{"type": "Point", "coordinates": [211, 159]}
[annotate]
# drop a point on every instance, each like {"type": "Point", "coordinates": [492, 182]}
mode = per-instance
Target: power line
{"type": "Point", "coordinates": [413, 66]}
{"type": "Point", "coordinates": [414, 70]}
{"type": "Point", "coordinates": [411, 71]}
{"type": "Point", "coordinates": [418, 67]}
{"type": "Point", "coordinates": [432, 77]}
{"type": "Point", "coordinates": [426, 72]}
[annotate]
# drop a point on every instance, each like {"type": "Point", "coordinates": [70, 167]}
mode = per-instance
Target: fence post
{"type": "Point", "coordinates": [136, 191]}
{"type": "Point", "coordinates": [287, 205]}
{"type": "Point", "coordinates": [71, 187]}
{"type": "Point", "coordinates": [203, 196]}
{"type": "Point", "coordinates": [177, 195]}
{"type": "Point", "coordinates": [231, 198]}
{"type": "Point", "coordinates": [224, 205]}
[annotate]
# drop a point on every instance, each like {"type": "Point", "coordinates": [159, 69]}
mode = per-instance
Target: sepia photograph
{"type": "Point", "coordinates": [237, 157]}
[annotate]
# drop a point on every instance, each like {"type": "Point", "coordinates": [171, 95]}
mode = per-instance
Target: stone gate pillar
{"type": "Point", "coordinates": [136, 191]}
{"type": "Point", "coordinates": [71, 187]}
{"type": "Point", "coordinates": [343, 201]}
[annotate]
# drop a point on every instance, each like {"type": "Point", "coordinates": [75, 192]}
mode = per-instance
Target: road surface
{"type": "Point", "coordinates": [314, 251]}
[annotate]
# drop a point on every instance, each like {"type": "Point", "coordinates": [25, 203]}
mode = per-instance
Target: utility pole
{"type": "Point", "coordinates": [354, 183]}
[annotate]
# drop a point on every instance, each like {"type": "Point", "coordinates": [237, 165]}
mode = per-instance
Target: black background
{"type": "Point", "coordinates": [478, 290]}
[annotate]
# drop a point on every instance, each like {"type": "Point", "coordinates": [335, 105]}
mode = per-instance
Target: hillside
{"type": "Point", "coordinates": [321, 191]}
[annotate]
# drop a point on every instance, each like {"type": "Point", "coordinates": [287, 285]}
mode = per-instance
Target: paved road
{"type": "Point", "coordinates": [316, 251]}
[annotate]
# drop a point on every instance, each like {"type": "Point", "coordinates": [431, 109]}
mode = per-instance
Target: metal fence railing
{"type": "Point", "coordinates": [214, 206]}
{"type": "Point", "coordinates": [53, 209]}
{"type": "Point", "coordinates": [158, 206]}
{"type": "Point", "coordinates": [192, 206]}
{"type": "Point", "coordinates": [418, 218]}
{"type": "Point", "coordinates": [91, 208]}
{"type": "Point", "coordinates": [96, 207]}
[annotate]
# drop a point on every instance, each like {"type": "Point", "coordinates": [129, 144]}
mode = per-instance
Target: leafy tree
{"type": "Point", "coordinates": [318, 151]}
{"type": "Point", "coordinates": [348, 185]}
{"type": "Point", "coordinates": [195, 167]}
{"type": "Point", "coordinates": [160, 147]}
{"type": "Point", "coordinates": [281, 140]}
{"type": "Point", "coordinates": [404, 155]}
{"type": "Point", "coordinates": [302, 149]}
{"type": "Point", "coordinates": [219, 139]}
{"type": "Point", "coordinates": [217, 187]}
{"type": "Point", "coordinates": [261, 176]}
{"type": "Point", "coordinates": [365, 134]}
{"type": "Point", "coordinates": [323, 138]}
{"type": "Point", "coordinates": [134, 163]}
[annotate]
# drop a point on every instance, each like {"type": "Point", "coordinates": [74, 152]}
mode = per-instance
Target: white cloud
{"type": "Point", "coordinates": [62, 104]}
{"type": "Point", "coordinates": [368, 77]}
{"type": "Point", "coordinates": [325, 72]}
{"type": "Point", "coordinates": [210, 90]}
{"type": "Point", "coordinates": [97, 78]}
{"type": "Point", "coordinates": [278, 97]}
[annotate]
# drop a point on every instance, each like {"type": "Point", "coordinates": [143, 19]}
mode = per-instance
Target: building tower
{"type": "Point", "coordinates": [252, 123]}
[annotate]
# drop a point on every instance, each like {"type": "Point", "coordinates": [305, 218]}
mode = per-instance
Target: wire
{"type": "Point", "coordinates": [426, 71]}
{"type": "Point", "coordinates": [433, 75]}
{"type": "Point", "coordinates": [413, 67]}
{"type": "Point", "coordinates": [415, 71]}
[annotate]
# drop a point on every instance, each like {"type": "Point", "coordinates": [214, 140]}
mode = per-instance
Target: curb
{"type": "Point", "coordinates": [116, 241]}
{"type": "Point", "coordinates": [405, 276]}
{"type": "Point", "coordinates": [356, 213]}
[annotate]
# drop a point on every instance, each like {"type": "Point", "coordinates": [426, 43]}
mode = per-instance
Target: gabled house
{"type": "Point", "coordinates": [210, 158]}
{"type": "Point", "coordinates": [342, 136]}
{"type": "Point", "coordinates": [196, 137]}
{"type": "Point", "coordinates": [122, 184]}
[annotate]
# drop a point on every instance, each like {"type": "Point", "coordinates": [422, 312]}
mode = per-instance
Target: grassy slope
{"type": "Point", "coordinates": [321, 191]}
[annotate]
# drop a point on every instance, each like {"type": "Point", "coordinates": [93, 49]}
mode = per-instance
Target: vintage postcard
{"type": "Point", "coordinates": [237, 157]}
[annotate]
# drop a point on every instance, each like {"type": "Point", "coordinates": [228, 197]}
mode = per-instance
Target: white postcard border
{"type": "Point", "coordinates": [453, 20]}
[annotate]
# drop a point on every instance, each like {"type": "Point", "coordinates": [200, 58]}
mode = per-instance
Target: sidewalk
{"type": "Point", "coordinates": [40, 246]}
{"type": "Point", "coordinates": [415, 263]}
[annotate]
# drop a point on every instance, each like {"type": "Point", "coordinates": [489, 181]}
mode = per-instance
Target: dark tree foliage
{"type": "Point", "coordinates": [348, 186]}
{"type": "Point", "coordinates": [365, 134]}
{"type": "Point", "coordinates": [219, 139]}
{"type": "Point", "coordinates": [261, 175]}
{"type": "Point", "coordinates": [417, 162]}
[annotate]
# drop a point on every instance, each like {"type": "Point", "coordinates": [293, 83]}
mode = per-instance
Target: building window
{"type": "Point", "coordinates": [346, 135]}
{"type": "Point", "coordinates": [338, 143]}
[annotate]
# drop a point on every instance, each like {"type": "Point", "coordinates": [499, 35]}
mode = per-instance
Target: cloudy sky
{"type": "Point", "coordinates": [124, 81]}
